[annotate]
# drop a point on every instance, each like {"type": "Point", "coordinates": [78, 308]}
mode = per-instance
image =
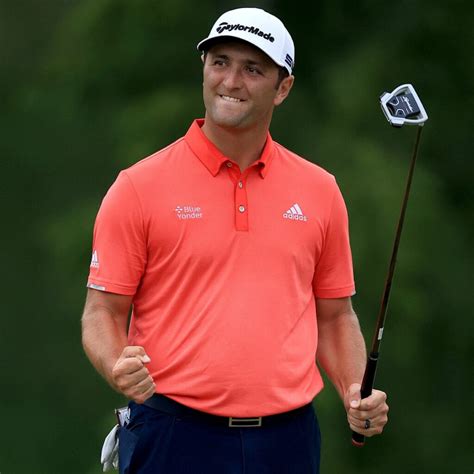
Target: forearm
{"type": "Point", "coordinates": [104, 337]}
{"type": "Point", "coordinates": [341, 350]}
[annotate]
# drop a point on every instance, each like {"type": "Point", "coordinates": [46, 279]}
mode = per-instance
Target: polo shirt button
{"type": "Point", "coordinates": [242, 208]}
{"type": "Point", "coordinates": [229, 164]}
{"type": "Point", "coordinates": [241, 185]}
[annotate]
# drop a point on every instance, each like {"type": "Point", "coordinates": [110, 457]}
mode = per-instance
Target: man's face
{"type": "Point", "coordinates": [240, 86]}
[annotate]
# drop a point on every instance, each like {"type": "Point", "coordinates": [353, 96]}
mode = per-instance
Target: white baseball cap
{"type": "Point", "coordinates": [257, 27]}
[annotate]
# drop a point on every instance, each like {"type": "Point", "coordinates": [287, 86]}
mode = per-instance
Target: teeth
{"type": "Point", "coordinates": [230, 99]}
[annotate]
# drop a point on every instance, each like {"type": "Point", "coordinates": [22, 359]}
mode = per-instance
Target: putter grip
{"type": "Point", "coordinates": [365, 391]}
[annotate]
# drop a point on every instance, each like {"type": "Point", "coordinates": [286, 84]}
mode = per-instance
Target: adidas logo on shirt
{"type": "Point", "coordinates": [295, 213]}
{"type": "Point", "coordinates": [95, 260]}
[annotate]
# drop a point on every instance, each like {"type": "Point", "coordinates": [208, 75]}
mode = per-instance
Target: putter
{"type": "Point", "coordinates": [402, 106]}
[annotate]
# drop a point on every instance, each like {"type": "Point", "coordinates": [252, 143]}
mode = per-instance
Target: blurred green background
{"type": "Point", "coordinates": [88, 87]}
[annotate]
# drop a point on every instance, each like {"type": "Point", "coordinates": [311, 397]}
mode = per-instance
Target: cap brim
{"type": "Point", "coordinates": [208, 43]}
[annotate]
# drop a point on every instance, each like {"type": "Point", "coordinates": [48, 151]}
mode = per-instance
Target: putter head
{"type": "Point", "coordinates": [403, 106]}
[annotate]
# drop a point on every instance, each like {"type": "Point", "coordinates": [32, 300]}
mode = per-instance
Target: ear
{"type": "Point", "coordinates": [283, 90]}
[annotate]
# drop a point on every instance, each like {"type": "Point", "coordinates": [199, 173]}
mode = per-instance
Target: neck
{"type": "Point", "coordinates": [242, 146]}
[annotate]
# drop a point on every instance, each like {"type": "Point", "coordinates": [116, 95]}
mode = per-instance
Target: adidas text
{"type": "Point", "coordinates": [295, 213]}
{"type": "Point", "coordinates": [294, 218]}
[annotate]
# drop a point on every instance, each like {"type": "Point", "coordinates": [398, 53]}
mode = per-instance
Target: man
{"type": "Point", "coordinates": [234, 254]}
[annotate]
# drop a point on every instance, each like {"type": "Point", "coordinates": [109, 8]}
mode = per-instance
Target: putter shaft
{"type": "Point", "coordinates": [371, 367]}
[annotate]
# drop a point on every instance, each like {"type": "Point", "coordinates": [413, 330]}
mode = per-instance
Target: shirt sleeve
{"type": "Point", "coordinates": [119, 251]}
{"type": "Point", "coordinates": [334, 276]}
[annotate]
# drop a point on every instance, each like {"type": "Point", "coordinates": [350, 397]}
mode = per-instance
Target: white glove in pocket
{"type": "Point", "coordinates": [109, 455]}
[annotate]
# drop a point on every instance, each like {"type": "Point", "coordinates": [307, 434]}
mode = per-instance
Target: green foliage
{"type": "Point", "coordinates": [91, 86]}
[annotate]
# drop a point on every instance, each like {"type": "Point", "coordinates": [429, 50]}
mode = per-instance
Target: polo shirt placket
{"type": "Point", "coordinates": [241, 202]}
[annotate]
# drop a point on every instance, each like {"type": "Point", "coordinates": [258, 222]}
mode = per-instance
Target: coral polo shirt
{"type": "Point", "coordinates": [224, 267]}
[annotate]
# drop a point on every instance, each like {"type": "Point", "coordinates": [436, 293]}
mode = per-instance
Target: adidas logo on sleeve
{"type": "Point", "coordinates": [95, 260]}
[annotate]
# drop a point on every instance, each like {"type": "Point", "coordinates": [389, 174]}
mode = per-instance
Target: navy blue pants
{"type": "Point", "coordinates": [158, 443]}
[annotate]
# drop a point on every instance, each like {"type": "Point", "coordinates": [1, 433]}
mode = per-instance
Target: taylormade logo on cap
{"type": "Point", "coordinates": [224, 26]}
{"type": "Point", "coordinates": [257, 27]}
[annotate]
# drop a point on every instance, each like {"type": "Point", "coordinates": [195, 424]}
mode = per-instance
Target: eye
{"type": "Point", "coordinates": [218, 62]}
{"type": "Point", "coordinates": [253, 70]}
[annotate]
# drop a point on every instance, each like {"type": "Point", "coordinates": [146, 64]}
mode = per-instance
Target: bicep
{"type": "Point", "coordinates": [333, 275]}
{"type": "Point", "coordinates": [119, 242]}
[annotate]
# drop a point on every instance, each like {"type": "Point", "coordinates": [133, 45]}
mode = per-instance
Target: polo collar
{"type": "Point", "coordinates": [213, 159]}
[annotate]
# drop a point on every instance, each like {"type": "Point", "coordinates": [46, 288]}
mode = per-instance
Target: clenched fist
{"type": "Point", "coordinates": [131, 377]}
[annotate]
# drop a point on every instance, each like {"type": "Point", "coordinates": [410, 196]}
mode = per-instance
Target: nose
{"type": "Point", "coordinates": [232, 79]}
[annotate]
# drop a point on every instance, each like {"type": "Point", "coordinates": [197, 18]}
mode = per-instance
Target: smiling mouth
{"type": "Point", "coordinates": [230, 99]}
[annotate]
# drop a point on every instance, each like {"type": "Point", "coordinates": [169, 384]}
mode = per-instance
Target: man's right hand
{"type": "Point", "coordinates": [131, 377]}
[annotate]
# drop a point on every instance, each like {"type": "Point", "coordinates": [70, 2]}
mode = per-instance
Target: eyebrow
{"type": "Point", "coordinates": [247, 61]}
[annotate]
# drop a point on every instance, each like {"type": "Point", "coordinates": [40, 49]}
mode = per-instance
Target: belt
{"type": "Point", "coordinates": [167, 405]}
